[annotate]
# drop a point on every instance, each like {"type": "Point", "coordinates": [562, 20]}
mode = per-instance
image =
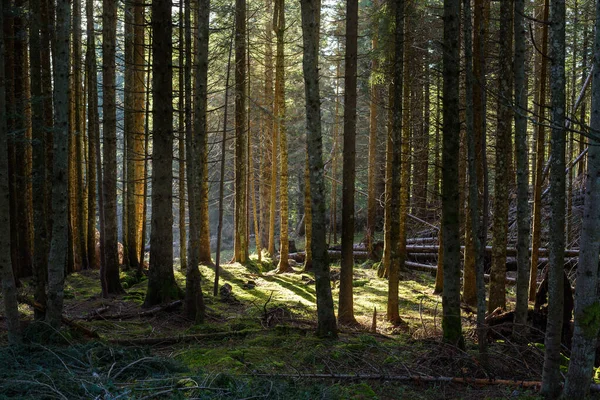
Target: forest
{"type": "Point", "coordinates": [278, 199]}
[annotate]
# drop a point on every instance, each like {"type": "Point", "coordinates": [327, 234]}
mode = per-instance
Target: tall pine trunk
{"type": "Point", "coordinates": [552, 357]}
{"type": "Point", "coordinates": [327, 326]}
{"type": "Point", "coordinates": [161, 280]}
{"type": "Point", "coordinates": [346, 299]}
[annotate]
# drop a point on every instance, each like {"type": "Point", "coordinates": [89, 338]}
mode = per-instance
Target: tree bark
{"type": "Point", "coordinates": [281, 129]}
{"type": "Point", "coordinates": [397, 141]}
{"type": "Point", "coordinates": [59, 246]}
{"type": "Point", "coordinates": [551, 371]}
{"type": "Point", "coordinates": [162, 287]}
{"type": "Point", "coordinates": [497, 297]}
{"type": "Point", "coordinates": [451, 322]}
{"type": "Point", "coordinates": [346, 300]}
{"type": "Point", "coordinates": [523, 214]}
{"type": "Point", "coordinates": [111, 256]}
{"type": "Point", "coordinates": [9, 292]}
{"type": "Point", "coordinates": [241, 245]}
{"type": "Point", "coordinates": [310, 9]}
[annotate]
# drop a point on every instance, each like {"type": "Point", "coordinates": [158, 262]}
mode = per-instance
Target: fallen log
{"type": "Point", "coordinates": [432, 268]}
{"type": "Point", "coordinates": [418, 379]}
{"type": "Point", "coordinates": [70, 323]}
{"type": "Point", "coordinates": [510, 251]}
{"type": "Point", "coordinates": [149, 313]}
{"type": "Point", "coordinates": [182, 338]}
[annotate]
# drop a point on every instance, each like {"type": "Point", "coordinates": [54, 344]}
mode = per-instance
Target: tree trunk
{"type": "Point", "coordinates": [58, 248]}
{"type": "Point", "coordinates": [241, 245]}
{"type": "Point", "coordinates": [93, 133]}
{"type": "Point", "coordinates": [396, 251]}
{"type": "Point", "coordinates": [111, 256]}
{"type": "Point", "coordinates": [523, 214]}
{"type": "Point", "coordinates": [536, 234]}
{"type": "Point", "coordinates": [181, 140]}
{"type": "Point", "coordinates": [307, 216]}
{"type": "Point", "coordinates": [267, 135]}
{"type": "Point", "coordinates": [281, 132]}
{"type": "Point", "coordinates": [9, 292]}
{"type": "Point", "coordinates": [473, 209]}
{"type": "Point", "coordinates": [162, 287]}
{"type": "Point", "coordinates": [373, 109]}
{"type": "Point", "coordinates": [326, 327]}
{"type": "Point", "coordinates": [194, 300]}
{"type": "Point", "coordinates": [503, 168]}
{"type": "Point", "coordinates": [552, 357]}
{"type": "Point", "coordinates": [40, 260]}
{"type": "Point", "coordinates": [346, 301]}
{"type": "Point", "coordinates": [450, 186]}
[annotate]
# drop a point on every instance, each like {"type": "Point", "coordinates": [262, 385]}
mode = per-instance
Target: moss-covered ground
{"type": "Point", "coordinates": [277, 357]}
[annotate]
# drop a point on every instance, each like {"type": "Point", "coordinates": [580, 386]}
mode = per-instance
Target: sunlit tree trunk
{"type": "Point", "coordinates": [266, 137]}
{"type": "Point", "coordinates": [241, 245]}
{"type": "Point", "coordinates": [307, 216]}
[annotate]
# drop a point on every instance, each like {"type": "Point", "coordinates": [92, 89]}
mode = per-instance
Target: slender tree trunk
{"type": "Point", "coordinates": [161, 280]}
{"type": "Point", "coordinates": [552, 358]}
{"type": "Point", "coordinates": [346, 299]}
{"type": "Point", "coordinates": [222, 178]}
{"type": "Point", "coordinates": [307, 216]}
{"type": "Point", "coordinates": [147, 111]}
{"type": "Point", "coordinates": [396, 256]}
{"type": "Point", "coordinates": [182, 135]}
{"type": "Point", "coordinates": [78, 130]}
{"type": "Point", "coordinates": [326, 327]}
{"type": "Point", "coordinates": [58, 248]}
{"type": "Point", "coordinates": [9, 292]}
{"type": "Point", "coordinates": [194, 299]}
{"type": "Point", "coordinates": [587, 305]}
{"type": "Point", "coordinates": [373, 109]}
{"type": "Point", "coordinates": [450, 186]}
{"type": "Point", "coordinates": [135, 136]}
{"type": "Point", "coordinates": [281, 129]}
{"type": "Point", "coordinates": [536, 238]}
{"type": "Point", "coordinates": [40, 260]}
{"type": "Point", "coordinates": [267, 134]}
{"type": "Point", "coordinates": [334, 158]}
{"type": "Point", "coordinates": [523, 214]}
{"type": "Point", "coordinates": [473, 209]}
{"type": "Point", "coordinates": [22, 141]}
{"type": "Point", "coordinates": [503, 168]}
{"type": "Point", "coordinates": [241, 245]}
{"type": "Point", "coordinates": [111, 256]}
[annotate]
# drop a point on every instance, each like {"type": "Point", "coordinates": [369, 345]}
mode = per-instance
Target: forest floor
{"type": "Point", "coordinates": [257, 343]}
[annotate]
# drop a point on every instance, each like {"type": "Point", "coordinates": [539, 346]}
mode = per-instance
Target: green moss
{"type": "Point", "coordinates": [359, 391]}
{"type": "Point", "coordinates": [359, 282]}
{"type": "Point", "coordinates": [589, 320]}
